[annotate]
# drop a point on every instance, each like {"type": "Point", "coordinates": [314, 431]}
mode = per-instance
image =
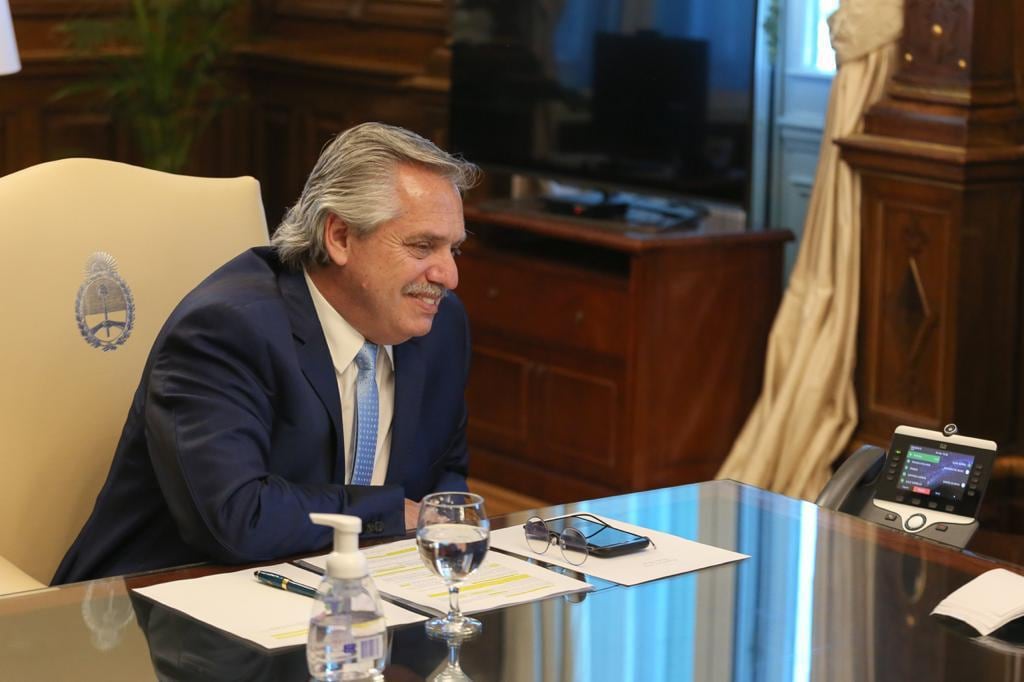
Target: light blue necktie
{"type": "Point", "coordinates": [364, 438]}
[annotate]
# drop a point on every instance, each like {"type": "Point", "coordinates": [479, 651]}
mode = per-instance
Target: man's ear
{"type": "Point", "coordinates": [336, 239]}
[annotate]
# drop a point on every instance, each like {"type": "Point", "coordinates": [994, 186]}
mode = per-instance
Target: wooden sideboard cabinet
{"type": "Point", "coordinates": [605, 361]}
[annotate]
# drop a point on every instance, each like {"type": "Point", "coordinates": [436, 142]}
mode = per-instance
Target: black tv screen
{"type": "Point", "coordinates": [649, 95]}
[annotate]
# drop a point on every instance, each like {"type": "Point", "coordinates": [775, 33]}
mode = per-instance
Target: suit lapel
{"type": "Point", "coordinates": [409, 377]}
{"type": "Point", "coordinates": [314, 356]}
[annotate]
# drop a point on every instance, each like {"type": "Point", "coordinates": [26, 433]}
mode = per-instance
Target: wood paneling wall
{"type": "Point", "coordinates": [303, 69]}
{"type": "Point", "coordinates": [942, 161]}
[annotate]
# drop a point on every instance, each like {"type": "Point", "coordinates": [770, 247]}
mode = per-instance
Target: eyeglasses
{"type": "Point", "coordinates": [575, 541]}
{"type": "Point", "coordinates": [571, 540]}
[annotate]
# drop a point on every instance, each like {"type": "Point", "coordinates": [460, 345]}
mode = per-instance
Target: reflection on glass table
{"type": "Point", "coordinates": [823, 597]}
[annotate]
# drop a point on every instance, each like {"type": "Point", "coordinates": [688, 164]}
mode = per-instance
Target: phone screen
{"type": "Point", "coordinates": [598, 535]}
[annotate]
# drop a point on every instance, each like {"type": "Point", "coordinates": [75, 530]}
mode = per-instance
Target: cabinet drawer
{"type": "Point", "coordinates": [553, 305]}
{"type": "Point", "coordinates": [563, 417]}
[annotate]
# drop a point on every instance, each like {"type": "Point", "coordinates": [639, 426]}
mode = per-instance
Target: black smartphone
{"type": "Point", "coordinates": [602, 540]}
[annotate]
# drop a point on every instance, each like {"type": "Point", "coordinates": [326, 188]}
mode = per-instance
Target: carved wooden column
{"type": "Point", "coordinates": [943, 173]}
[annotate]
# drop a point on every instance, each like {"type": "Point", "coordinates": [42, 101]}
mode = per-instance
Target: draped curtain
{"type": "Point", "coordinates": [807, 409]}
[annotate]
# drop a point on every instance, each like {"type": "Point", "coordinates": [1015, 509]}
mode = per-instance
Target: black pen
{"type": "Point", "coordinates": [280, 582]}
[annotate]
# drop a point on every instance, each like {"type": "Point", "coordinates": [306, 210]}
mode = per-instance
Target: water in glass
{"type": "Point", "coordinates": [452, 550]}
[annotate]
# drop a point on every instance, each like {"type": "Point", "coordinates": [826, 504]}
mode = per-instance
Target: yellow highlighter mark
{"type": "Point", "coordinates": [396, 571]}
{"type": "Point", "coordinates": [485, 584]}
{"type": "Point", "coordinates": [397, 552]}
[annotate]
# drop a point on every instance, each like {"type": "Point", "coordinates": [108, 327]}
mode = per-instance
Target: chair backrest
{"type": "Point", "coordinates": [96, 254]}
{"type": "Point", "coordinates": [13, 579]}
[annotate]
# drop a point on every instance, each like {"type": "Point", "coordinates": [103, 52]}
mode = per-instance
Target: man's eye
{"type": "Point", "coordinates": [456, 250]}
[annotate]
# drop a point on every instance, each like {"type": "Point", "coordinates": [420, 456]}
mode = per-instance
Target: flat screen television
{"type": "Point", "coordinates": [649, 96]}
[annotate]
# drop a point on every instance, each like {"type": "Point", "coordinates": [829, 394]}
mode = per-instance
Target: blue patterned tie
{"type": "Point", "coordinates": [364, 440]}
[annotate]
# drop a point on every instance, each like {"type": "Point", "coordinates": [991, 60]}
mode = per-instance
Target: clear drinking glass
{"type": "Point", "coordinates": [453, 534]}
{"type": "Point", "coordinates": [452, 671]}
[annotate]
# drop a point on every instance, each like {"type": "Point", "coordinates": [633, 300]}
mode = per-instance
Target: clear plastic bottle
{"type": "Point", "coordinates": [347, 631]}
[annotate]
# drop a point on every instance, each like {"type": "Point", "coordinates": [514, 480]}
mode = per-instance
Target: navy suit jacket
{"type": "Point", "coordinates": [234, 435]}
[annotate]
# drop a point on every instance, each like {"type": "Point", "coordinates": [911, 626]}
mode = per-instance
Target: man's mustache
{"type": "Point", "coordinates": [429, 290]}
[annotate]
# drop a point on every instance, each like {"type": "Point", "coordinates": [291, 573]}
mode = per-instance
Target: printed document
{"type": "Point", "coordinates": [671, 555]}
{"type": "Point", "coordinates": [502, 580]}
{"type": "Point", "coordinates": [237, 603]}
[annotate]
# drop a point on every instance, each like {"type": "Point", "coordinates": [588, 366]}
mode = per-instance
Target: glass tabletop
{"type": "Point", "coordinates": [823, 596]}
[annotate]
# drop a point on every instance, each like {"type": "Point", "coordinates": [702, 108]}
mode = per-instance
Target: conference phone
{"type": "Point", "coordinates": [932, 483]}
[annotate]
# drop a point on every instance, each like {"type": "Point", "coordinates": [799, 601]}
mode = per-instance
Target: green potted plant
{"type": "Point", "coordinates": [159, 72]}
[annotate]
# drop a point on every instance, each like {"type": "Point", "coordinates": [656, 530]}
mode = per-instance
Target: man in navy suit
{"type": "Point", "coordinates": [324, 373]}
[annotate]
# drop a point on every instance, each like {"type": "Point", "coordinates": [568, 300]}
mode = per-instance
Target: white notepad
{"type": "Point", "coordinates": [237, 603]}
{"type": "Point", "coordinates": [988, 602]}
{"type": "Point", "coordinates": [670, 555]}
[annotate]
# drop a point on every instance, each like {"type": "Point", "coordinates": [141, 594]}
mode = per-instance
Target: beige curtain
{"type": "Point", "coordinates": [807, 409]}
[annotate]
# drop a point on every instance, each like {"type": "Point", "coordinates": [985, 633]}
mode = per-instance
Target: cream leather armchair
{"type": "Point", "coordinates": [95, 256]}
{"type": "Point", "coordinates": [13, 579]}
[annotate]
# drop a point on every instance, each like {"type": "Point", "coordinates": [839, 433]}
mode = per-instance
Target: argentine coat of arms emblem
{"type": "Point", "coordinates": [104, 307]}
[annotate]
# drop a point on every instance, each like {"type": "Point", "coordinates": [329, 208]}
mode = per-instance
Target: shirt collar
{"type": "Point", "coordinates": [343, 341]}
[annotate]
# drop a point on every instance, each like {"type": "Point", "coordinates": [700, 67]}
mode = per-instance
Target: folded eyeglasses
{"type": "Point", "coordinates": [576, 542]}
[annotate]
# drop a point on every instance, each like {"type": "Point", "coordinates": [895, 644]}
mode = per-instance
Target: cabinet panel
{"type": "Point", "coordinates": [910, 295]}
{"type": "Point", "coordinates": [560, 417]}
{"type": "Point", "coordinates": [497, 392]}
{"type": "Point", "coordinates": [909, 289]}
{"type": "Point", "coordinates": [70, 133]}
{"type": "Point", "coordinates": [929, 352]}
{"type": "Point", "coordinates": [577, 419]}
{"type": "Point", "coordinates": [544, 302]}
{"type": "Point", "coordinates": [274, 161]}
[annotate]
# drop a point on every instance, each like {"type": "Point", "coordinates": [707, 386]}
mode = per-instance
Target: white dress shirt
{"type": "Point", "coordinates": [343, 342]}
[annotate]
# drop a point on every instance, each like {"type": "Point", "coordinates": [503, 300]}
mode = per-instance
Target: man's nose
{"type": "Point", "coordinates": [444, 271]}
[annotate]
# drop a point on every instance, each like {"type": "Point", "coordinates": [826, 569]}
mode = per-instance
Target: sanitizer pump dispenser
{"type": "Point", "coordinates": [347, 632]}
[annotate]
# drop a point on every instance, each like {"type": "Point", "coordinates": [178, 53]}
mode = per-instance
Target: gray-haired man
{"type": "Point", "coordinates": [323, 373]}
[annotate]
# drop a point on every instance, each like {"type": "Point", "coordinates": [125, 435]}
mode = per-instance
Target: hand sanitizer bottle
{"type": "Point", "coordinates": [347, 631]}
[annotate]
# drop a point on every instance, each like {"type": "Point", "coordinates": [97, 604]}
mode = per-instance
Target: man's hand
{"type": "Point", "coordinates": [412, 514]}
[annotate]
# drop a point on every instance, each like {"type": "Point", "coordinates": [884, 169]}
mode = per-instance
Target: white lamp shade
{"type": "Point", "coordinates": [9, 62]}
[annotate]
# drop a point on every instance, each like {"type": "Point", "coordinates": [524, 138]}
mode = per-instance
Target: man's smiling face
{"type": "Point", "coordinates": [392, 280]}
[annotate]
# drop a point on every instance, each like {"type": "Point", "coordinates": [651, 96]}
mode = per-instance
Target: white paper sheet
{"type": "Point", "coordinates": [501, 580]}
{"type": "Point", "coordinates": [671, 555]}
{"type": "Point", "coordinates": [237, 603]}
{"type": "Point", "coordinates": [988, 602]}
